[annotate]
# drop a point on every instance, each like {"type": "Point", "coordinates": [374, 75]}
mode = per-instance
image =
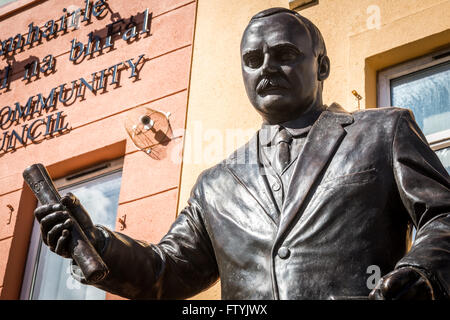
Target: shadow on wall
{"type": "Point", "coordinates": [15, 266]}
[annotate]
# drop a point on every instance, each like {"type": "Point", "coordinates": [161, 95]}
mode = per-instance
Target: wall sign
{"type": "Point", "coordinates": [38, 117]}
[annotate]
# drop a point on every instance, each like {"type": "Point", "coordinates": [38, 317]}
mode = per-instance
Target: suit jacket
{"type": "Point", "coordinates": [360, 180]}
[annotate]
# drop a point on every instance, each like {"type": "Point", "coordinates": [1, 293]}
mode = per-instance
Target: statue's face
{"type": "Point", "coordinates": [279, 67]}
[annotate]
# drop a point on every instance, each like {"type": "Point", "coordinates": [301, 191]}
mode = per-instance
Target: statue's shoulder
{"type": "Point", "coordinates": [212, 173]}
{"type": "Point", "coordinates": [215, 178]}
{"type": "Point", "coordinates": [385, 117]}
{"type": "Point", "coordinates": [381, 113]}
{"type": "Point", "coordinates": [215, 173]}
{"type": "Point", "coordinates": [244, 155]}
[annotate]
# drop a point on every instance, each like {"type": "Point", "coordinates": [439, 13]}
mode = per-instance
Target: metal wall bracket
{"type": "Point", "coordinates": [11, 210]}
{"type": "Point", "coordinates": [122, 221]}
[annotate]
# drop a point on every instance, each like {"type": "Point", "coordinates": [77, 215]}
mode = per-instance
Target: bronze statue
{"type": "Point", "coordinates": [303, 209]}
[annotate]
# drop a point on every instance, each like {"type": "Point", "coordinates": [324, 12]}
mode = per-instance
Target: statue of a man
{"type": "Point", "coordinates": [302, 211]}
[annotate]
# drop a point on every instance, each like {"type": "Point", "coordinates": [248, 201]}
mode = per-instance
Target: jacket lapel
{"type": "Point", "coordinates": [321, 144]}
{"type": "Point", "coordinates": [245, 166]}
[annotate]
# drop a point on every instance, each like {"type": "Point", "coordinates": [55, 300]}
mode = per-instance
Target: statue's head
{"type": "Point", "coordinates": [284, 64]}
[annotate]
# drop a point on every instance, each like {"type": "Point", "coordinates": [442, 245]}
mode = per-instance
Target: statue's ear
{"type": "Point", "coordinates": [324, 68]}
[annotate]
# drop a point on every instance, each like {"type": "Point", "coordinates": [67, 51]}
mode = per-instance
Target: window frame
{"type": "Point", "coordinates": [438, 140]}
{"type": "Point", "coordinates": [7, 3]}
{"type": "Point", "coordinates": [81, 176]}
{"type": "Point", "coordinates": [14, 6]}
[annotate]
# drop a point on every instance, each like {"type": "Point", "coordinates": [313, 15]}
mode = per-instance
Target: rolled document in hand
{"type": "Point", "coordinates": [83, 252]}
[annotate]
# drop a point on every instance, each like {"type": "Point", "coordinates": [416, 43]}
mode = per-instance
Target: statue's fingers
{"type": "Point", "coordinates": [49, 221]}
{"type": "Point", "coordinates": [69, 200]}
{"type": "Point", "coordinates": [72, 203]}
{"type": "Point", "coordinates": [62, 246]}
{"type": "Point", "coordinates": [44, 210]}
{"type": "Point", "coordinates": [41, 212]}
{"type": "Point", "coordinates": [419, 290]}
{"type": "Point", "coordinates": [56, 232]}
{"type": "Point", "coordinates": [55, 217]}
{"type": "Point", "coordinates": [395, 282]}
{"type": "Point", "coordinates": [376, 294]}
{"type": "Point", "coordinates": [53, 236]}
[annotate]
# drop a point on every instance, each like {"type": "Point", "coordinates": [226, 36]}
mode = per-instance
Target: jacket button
{"type": "Point", "coordinates": [284, 252]}
{"type": "Point", "coordinates": [276, 186]}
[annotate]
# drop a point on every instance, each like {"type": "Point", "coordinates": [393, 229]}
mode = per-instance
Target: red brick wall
{"type": "Point", "coordinates": [149, 190]}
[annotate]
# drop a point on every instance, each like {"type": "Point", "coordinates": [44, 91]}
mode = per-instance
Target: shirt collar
{"type": "Point", "coordinates": [296, 127]}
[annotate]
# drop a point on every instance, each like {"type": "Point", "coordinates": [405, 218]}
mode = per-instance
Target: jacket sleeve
{"type": "Point", "coordinates": [180, 266]}
{"type": "Point", "coordinates": [424, 187]}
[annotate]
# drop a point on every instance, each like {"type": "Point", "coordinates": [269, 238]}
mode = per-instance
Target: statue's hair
{"type": "Point", "coordinates": [316, 37]}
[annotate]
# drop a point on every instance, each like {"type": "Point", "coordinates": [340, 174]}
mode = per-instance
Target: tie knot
{"type": "Point", "coordinates": [283, 136]}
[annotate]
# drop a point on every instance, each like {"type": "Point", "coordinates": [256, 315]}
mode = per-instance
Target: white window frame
{"type": "Point", "coordinates": [438, 140]}
{"type": "Point", "coordinates": [71, 180]}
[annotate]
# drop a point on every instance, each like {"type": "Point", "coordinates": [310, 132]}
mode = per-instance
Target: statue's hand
{"type": "Point", "coordinates": [56, 225]}
{"type": "Point", "coordinates": [406, 283]}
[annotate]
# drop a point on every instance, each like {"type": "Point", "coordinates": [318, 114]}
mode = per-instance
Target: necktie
{"type": "Point", "coordinates": [283, 154]}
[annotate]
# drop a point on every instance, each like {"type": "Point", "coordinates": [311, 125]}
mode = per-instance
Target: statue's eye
{"type": "Point", "coordinates": [253, 60]}
{"type": "Point", "coordinates": [287, 55]}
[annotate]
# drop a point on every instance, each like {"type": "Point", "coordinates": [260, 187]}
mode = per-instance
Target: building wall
{"type": "Point", "coordinates": [366, 36]}
{"type": "Point", "coordinates": [149, 191]}
{"type": "Point", "coordinates": [362, 37]}
{"type": "Point", "coordinates": [196, 78]}
{"type": "Point", "coordinates": [218, 106]}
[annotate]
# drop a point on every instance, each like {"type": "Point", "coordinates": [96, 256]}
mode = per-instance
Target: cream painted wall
{"type": "Point", "coordinates": [218, 105]}
{"type": "Point", "coordinates": [358, 48]}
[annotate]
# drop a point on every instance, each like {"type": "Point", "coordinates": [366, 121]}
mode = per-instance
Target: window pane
{"type": "Point", "coordinates": [444, 156]}
{"type": "Point", "coordinates": [3, 2]}
{"type": "Point", "coordinates": [53, 281]}
{"type": "Point", "coordinates": [427, 94]}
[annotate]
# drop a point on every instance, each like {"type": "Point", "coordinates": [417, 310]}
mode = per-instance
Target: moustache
{"type": "Point", "coordinates": [271, 82]}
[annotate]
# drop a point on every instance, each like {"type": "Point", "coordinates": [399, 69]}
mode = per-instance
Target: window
{"type": "Point", "coordinates": [47, 275]}
{"type": "Point", "coordinates": [5, 2]}
{"type": "Point", "coordinates": [423, 86]}
{"type": "Point", "coordinates": [302, 4]}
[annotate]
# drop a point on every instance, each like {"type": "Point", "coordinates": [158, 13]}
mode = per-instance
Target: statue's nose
{"type": "Point", "coordinates": [268, 66]}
